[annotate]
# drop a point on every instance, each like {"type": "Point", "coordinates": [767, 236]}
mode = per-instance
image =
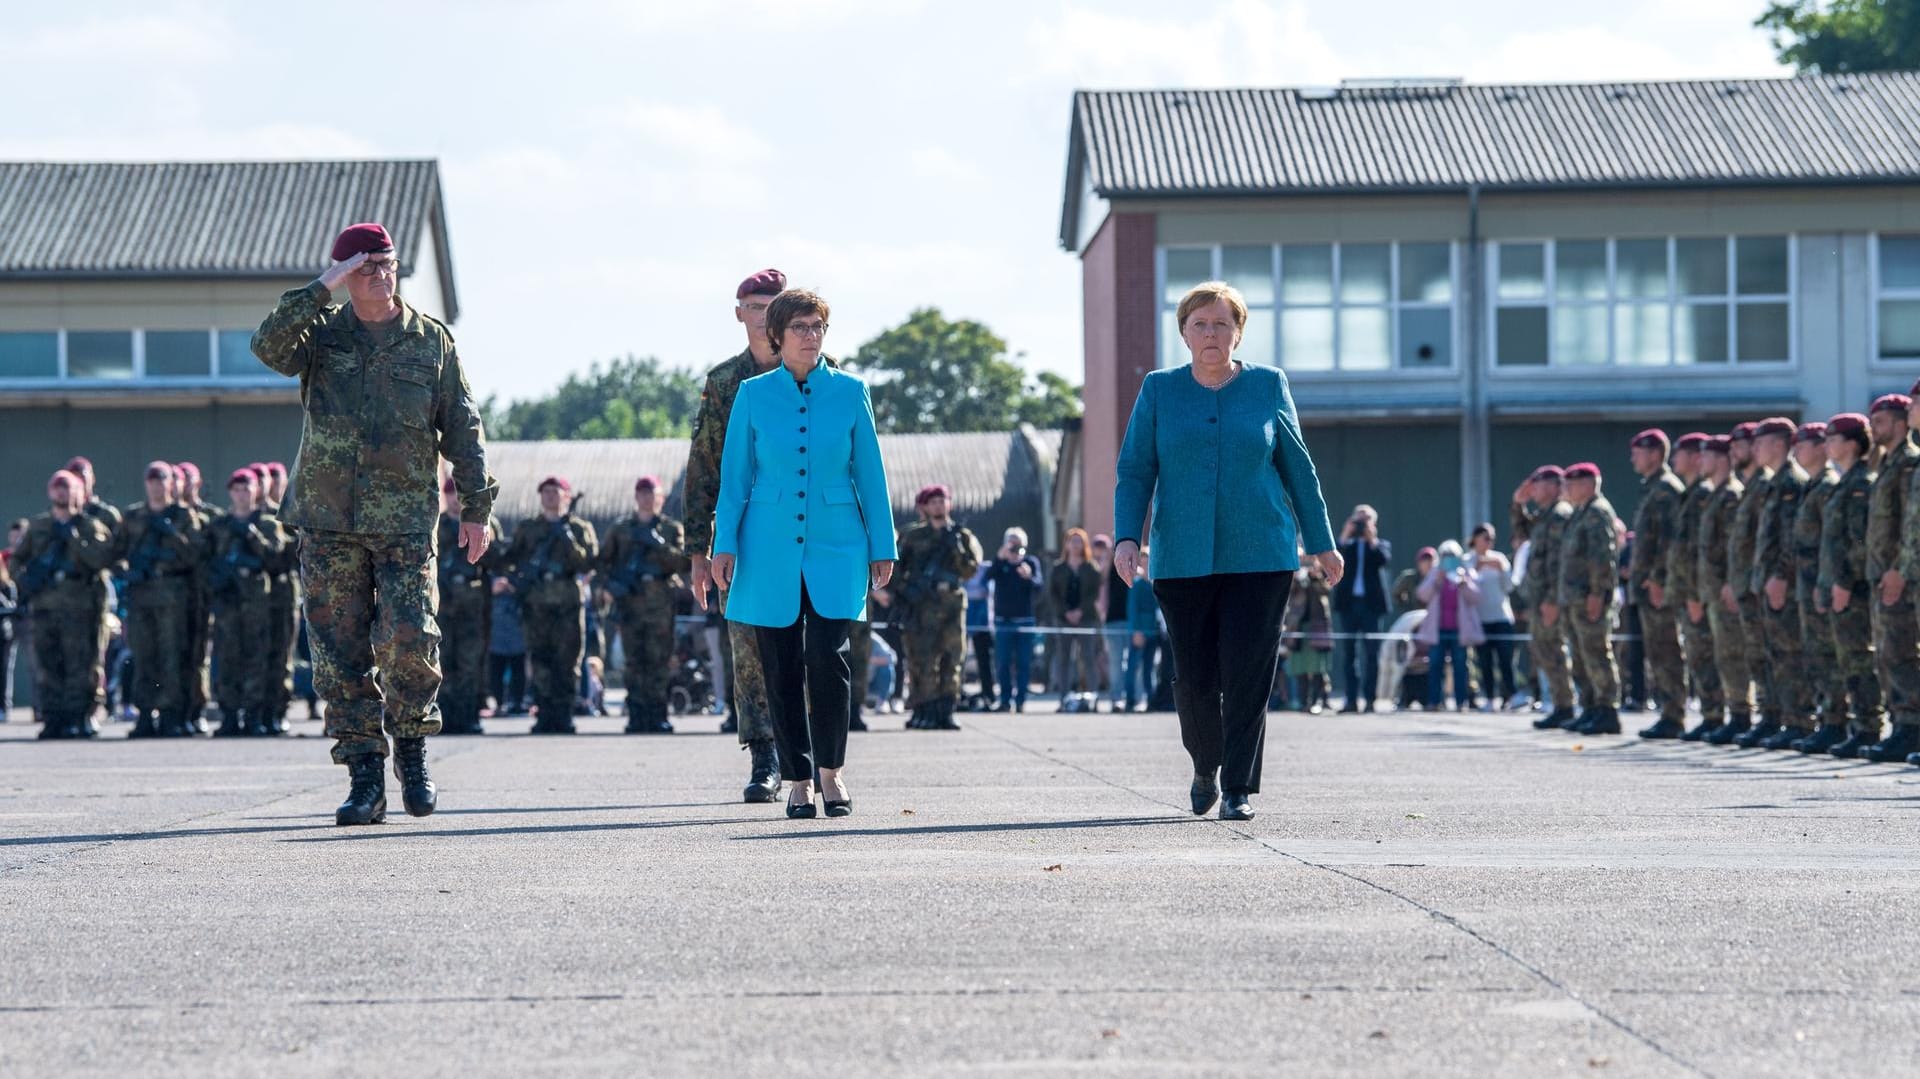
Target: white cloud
{"type": "Point", "coordinates": [698, 132]}
{"type": "Point", "coordinates": [1594, 52]}
{"type": "Point", "coordinates": [741, 16]}
{"type": "Point", "coordinates": [1239, 42]}
{"type": "Point", "coordinates": [273, 142]}
{"type": "Point", "coordinates": [942, 165]}
{"type": "Point", "coordinates": [145, 39]}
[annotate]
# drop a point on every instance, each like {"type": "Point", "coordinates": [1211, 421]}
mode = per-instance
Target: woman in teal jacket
{"type": "Point", "coordinates": [1216, 447]}
{"type": "Point", "coordinates": [802, 529]}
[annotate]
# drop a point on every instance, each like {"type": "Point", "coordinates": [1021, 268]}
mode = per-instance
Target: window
{"type": "Point", "coordinates": [1325, 307]}
{"type": "Point", "coordinates": [30, 355]}
{"type": "Point", "coordinates": [237, 359]}
{"type": "Point", "coordinates": [99, 354]}
{"type": "Point", "coordinates": [127, 355]}
{"type": "Point", "coordinates": [1645, 302]}
{"type": "Point", "coordinates": [1899, 306]}
{"type": "Point", "coordinates": [178, 354]}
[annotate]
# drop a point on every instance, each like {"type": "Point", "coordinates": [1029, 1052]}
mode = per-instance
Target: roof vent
{"type": "Point", "coordinates": [1318, 93]}
{"type": "Point", "coordinates": [1622, 93]}
{"type": "Point", "coordinates": [1401, 87]}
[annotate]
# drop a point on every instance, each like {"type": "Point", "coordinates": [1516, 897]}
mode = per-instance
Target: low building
{"type": "Point", "coordinates": [1462, 281]}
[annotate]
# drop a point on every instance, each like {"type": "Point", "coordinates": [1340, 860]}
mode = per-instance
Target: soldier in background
{"type": "Point", "coordinates": [1773, 582]}
{"type": "Point", "coordinates": [1589, 567]}
{"type": "Point", "coordinates": [200, 617]}
{"type": "Point", "coordinates": [1689, 600]}
{"type": "Point", "coordinates": [465, 602]}
{"type": "Point", "coordinates": [102, 511]}
{"type": "Point", "coordinates": [542, 568]}
{"type": "Point", "coordinates": [937, 557]}
{"type": "Point", "coordinates": [1825, 683]}
{"type": "Point", "coordinates": [1656, 529]}
{"type": "Point", "coordinates": [1738, 591]}
{"type": "Point", "coordinates": [59, 566]}
{"type": "Point", "coordinates": [239, 548]}
{"type": "Point", "coordinates": [1713, 544]}
{"type": "Point", "coordinates": [640, 568]}
{"type": "Point", "coordinates": [1849, 588]}
{"type": "Point", "coordinates": [159, 543]}
{"type": "Point", "coordinates": [283, 604]}
{"type": "Point", "coordinates": [1540, 515]}
{"type": "Point", "coordinates": [1890, 521]}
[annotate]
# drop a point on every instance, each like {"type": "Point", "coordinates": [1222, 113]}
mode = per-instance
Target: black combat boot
{"type": "Point", "coordinates": [83, 725]}
{"type": "Point", "coordinates": [1735, 726]}
{"type": "Point", "coordinates": [53, 726]}
{"type": "Point", "coordinates": [410, 768]}
{"type": "Point", "coordinates": [277, 722]}
{"type": "Point", "coordinates": [764, 784]}
{"type": "Point", "coordinates": [1856, 741]}
{"type": "Point", "coordinates": [144, 726]}
{"type": "Point", "coordinates": [253, 723]}
{"type": "Point", "coordinates": [1666, 728]}
{"type": "Point", "coordinates": [1763, 730]}
{"type": "Point", "coordinates": [173, 724]}
{"type": "Point", "coordinates": [943, 715]}
{"type": "Point", "coordinates": [1784, 738]}
{"type": "Point", "coordinates": [1606, 720]}
{"type": "Point", "coordinates": [731, 724]}
{"type": "Point", "coordinates": [1828, 736]}
{"type": "Point", "coordinates": [367, 800]}
{"type": "Point", "coordinates": [1895, 747]}
{"type": "Point", "coordinates": [918, 720]}
{"type": "Point", "coordinates": [1553, 720]}
{"type": "Point", "coordinates": [229, 723]}
{"type": "Point", "coordinates": [1705, 730]}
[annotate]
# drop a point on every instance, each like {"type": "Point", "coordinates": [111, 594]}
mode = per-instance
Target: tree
{"type": "Point", "coordinates": [631, 398]}
{"type": "Point", "coordinates": [933, 374]}
{"type": "Point", "coordinates": [1849, 35]}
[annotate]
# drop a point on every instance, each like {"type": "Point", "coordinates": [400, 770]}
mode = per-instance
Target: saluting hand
{"type": "Point", "coordinates": [1126, 559]}
{"type": "Point", "coordinates": [337, 273]}
{"type": "Point", "coordinates": [474, 539]}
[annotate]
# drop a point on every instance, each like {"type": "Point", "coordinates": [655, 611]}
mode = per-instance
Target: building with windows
{"type": "Point", "coordinates": [1463, 281]}
{"type": "Point", "coordinates": [129, 294]}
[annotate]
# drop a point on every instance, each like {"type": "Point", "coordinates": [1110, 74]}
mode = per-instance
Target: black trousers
{"type": "Point", "coordinates": [1225, 632]}
{"type": "Point", "coordinates": [507, 682]}
{"type": "Point", "coordinates": [808, 685]}
{"type": "Point", "coordinates": [1496, 660]}
{"type": "Point", "coordinates": [1356, 656]}
{"type": "Point", "coordinates": [983, 659]}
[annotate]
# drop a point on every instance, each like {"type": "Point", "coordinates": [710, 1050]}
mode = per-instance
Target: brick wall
{"type": "Point", "coordinates": [1118, 302]}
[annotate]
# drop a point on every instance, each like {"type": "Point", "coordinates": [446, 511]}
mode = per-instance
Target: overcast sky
{"type": "Point", "coordinates": [613, 169]}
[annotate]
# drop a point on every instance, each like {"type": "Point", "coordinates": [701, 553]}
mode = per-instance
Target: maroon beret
{"type": "Point", "coordinates": [1425, 552]}
{"type": "Point", "coordinates": [61, 475]}
{"type": "Point", "coordinates": [1720, 444]}
{"type": "Point", "coordinates": [159, 470]}
{"type": "Point", "coordinates": [1692, 440]}
{"type": "Point", "coordinates": [258, 468]}
{"type": "Point", "coordinates": [244, 475]}
{"type": "Point", "coordinates": [1891, 402]}
{"type": "Point", "coordinates": [767, 282]}
{"type": "Point", "coordinates": [1744, 432]}
{"type": "Point", "coordinates": [1775, 425]}
{"type": "Point", "coordinates": [1847, 425]}
{"type": "Point", "coordinates": [190, 470]}
{"type": "Point", "coordinates": [647, 483]}
{"type": "Point", "coordinates": [932, 491]}
{"type": "Point", "coordinates": [1585, 470]}
{"type": "Point", "coordinates": [1653, 438]}
{"type": "Point", "coordinates": [362, 239]}
{"type": "Point", "coordinates": [277, 468]}
{"type": "Point", "coordinates": [555, 481]}
{"type": "Point", "coordinates": [77, 465]}
{"type": "Point", "coordinates": [1548, 472]}
{"type": "Point", "coordinates": [1811, 431]}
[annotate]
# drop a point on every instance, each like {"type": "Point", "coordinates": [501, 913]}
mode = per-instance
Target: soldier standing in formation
{"type": "Point", "coordinates": [240, 548]}
{"type": "Point", "coordinates": [1817, 659]}
{"type": "Point", "coordinates": [937, 557]}
{"type": "Point", "coordinates": [160, 544]}
{"type": "Point", "coordinates": [59, 566]}
{"type": "Point", "coordinates": [640, 568]}
{"type": "Point", "coordinates": [1540, 517]}
{"type": "Point", "coordinates": [465, 605]}
{"type": "Point", "coordinates": [1892, 518]}
{"type": "Point", "coordinates": [542, 569]}
{"type": "Point", "coordinates": [1742, 545]}
{"type": "Point", "coordinates": [1656, 534]}
{"type": "Point", "coordinates": [1589, 566]}
{"type": "Point", "coordinates": [1772, 583]}
{"type": "Point", "coordinates": [1716, 574]}
{"type": "Point", "coordinates": [100, 510]}
{"type": "Point", "coordinates": [200, 616]}
{"type": "Point", "coordinates": [283, 601]}
{"type": "Point", "coordinates": [1689, 599]}
{"type": "Point", "coordinates": [1847, 585]}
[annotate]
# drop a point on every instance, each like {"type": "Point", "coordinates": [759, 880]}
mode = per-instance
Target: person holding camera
{"type": "Point", "coordinates": [1451, 592]}
{"type": "Point", "coordinates": [1360, 602]}
{"type": "Point", "coordinates": [1015, 578]}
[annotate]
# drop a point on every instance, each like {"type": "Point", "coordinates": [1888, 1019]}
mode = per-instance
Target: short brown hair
{"type": "Point", "coordinates": [1207, 292]}
{"type": "Point", "coordinates": [788, 306]}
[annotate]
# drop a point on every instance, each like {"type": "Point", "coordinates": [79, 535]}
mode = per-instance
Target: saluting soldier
{"type": "Point", "coordinates": [1589, 568]}
{"type": "Point", "coordinates": [466, 601]}
{"type": "Point", "coordinates": [59, 567]}
{"type": "Point", "coordinates": [640, 569]}
{"type": "Point", "coordinates": [385, 398]}
{"type": "Point", "coordinates": [937, 557]}
{"type": "Point", "coordinates": [1742, 540]}
{"type": "Point", "coordinates": [1540, 513]}
{"type": "Point", "coordinates": [543, 566]}
{"type": "Point", "coordinates": [159, 542]}
{"type": "Point", "coordinates": [1824, 682]}
{"type": "Point", "coordinates": [1689, 600]}
{"type": "Point", "coordinates": [239, 549]}
{"type": "Point", "coordinates": [1891, 556]}
{"type": "Point", "coordinates": [1773, 580]}
{"type": "Point", "coordinates": [1655, 536]}
{"type": "Point", "coordinates": [1714, 547]}
{"type": "Point", "coordinates": [1847, 584]}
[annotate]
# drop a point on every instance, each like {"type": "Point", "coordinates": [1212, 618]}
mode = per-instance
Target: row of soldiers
{"type": "Point", "coordinates": [204, 590]}
{"type": "Point", "coordinates": [1773, 567]}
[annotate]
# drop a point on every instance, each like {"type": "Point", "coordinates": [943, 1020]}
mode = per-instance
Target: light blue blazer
{"type": "Point", "coordinates": [803, 495]}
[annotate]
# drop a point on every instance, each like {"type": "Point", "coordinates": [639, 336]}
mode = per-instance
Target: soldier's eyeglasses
{"type": "Point", "coordinates": [373, 269]}
{"type": "Point", "coordinates": [756, 308]}
{"type": "Point", "coordinates": [807, 329]}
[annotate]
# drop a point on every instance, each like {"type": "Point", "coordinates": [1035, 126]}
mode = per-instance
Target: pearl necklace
{"type": "Point", "coordinates": [1237, 366]}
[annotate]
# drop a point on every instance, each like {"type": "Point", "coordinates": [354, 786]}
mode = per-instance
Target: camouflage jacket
{"type": "Point", "coordinates": [285, 562]}
{"type": "Point", "coordinates": [702, 485]}
{"type": "Point", "coordinates": [1908, 561]}
{"type": "Point", "coordinates": [1683, 554]}
{"type": "Point", "coordinates": [546, 558]}
{"type": "Point", "coordinates": [103, 512]}
{"type": "Point", "coordinates": [1590, 561]}
{"type": "Point", "coordinates": [1892, 511]}
{"type": "Point", "coordinates": [1808, 521]}
{"type": "Point", "coordinates": [1843, 533]}
{"type": "Point", "coordinates": [1548, 536]}
{"type": "Point", "coordinates": [149, 553]}
{"type": "Point", "coordinates": [453, 568]}
{"type": "Point", "coordinates": [1744, 537]}
{"type": "Point", "coordinates": [1773, 535]}
{"type": "Point", "coordinates": [1713, 543]}
{"type": "Point", "coordinates": [1655, 525]}
{"type": "Point", "coordinates": [637, 554]}
{"type": "Point", "coordinates": [378, 419]}
{"type": "Point", "coordinates": [72, 559]}
{"type": "Point", "coordinates": [934, 561]}
{"type": "Point", "coordinates": [239, 553]}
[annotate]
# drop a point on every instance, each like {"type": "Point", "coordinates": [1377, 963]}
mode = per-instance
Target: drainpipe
{"type": "Point", "coordinates": [1476, 453]}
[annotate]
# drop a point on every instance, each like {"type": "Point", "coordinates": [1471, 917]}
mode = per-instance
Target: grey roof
{"type": "Point", "coordinates": [211, 219]}
{"type": "Point", "coordinates": [1442, 136]}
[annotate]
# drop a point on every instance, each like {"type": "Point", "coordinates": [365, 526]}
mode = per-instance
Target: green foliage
{"type": "Point", "coordinates": [631, 398]}
{"type": "Point", "coordinates": [933, 374]}
{"type": "Point", "coordinates": [1845, 35]}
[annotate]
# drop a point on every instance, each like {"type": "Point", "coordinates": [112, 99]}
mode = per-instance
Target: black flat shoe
{"type": "Point", "coordinates": [842, 808]}
{"type": "Point", "coordinates": [1236, 807]}
{"type": "Point", "coordinates": [1205, 792]}
{"type": "Point", "coordinates": [800, 810]}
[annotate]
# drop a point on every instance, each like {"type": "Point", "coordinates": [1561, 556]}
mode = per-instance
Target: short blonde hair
{"type": "Point", "coordinates": [1207, 292]}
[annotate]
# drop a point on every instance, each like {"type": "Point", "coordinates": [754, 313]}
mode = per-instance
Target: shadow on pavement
{"type": "Point", "coordinates": [510, 810]}
{"type": "Point", "coordinates": [962, 829]}
{"type": "Point", "coordinates": [352, 835]}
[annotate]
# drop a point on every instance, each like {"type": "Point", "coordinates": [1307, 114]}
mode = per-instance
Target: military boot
{"type": "Point", "coordinates": [417, 792]}
{"type": "Point", "coordinates": [764, 784]}
{"type": "Point", "coordinates": [277, 722]}
{"type": "Point", "coordinates": [83, 725]}
{"type": "Point", "coordinates": [1705, 730]}
{"type": "Point", "coordinates": [1665, 728]}
{"type": "Point", "coordinates": [1856, 741]}
{"type": "Point", "coordinates": [1785, 737]}
{"type": "Point", "coordinates": [1763, 730]}
{"type": "Point", "coordinates": [53, 726]}
{"type": "Point", "coordinates": [918, 720]}
{"type": "Point", "coordinates": [1735, 726]}
{"type": "Point", "coordinates": [173, 724]}
{"type": "Point", "coordinates": [367, 800]}
{"type": "Point", "coordinates": [1606, 720]}
{"type": "Point", "coordinates": [229, 723]}
{"type": "Point", "coordinates": [1828, 736]}
{"type": "Point", "coordinates": [254, 723]}
{"type": "Point", "coordinates": [943, 715]}
{"type": "Point", "coordinates": [144, 725]}
{"type": "Point", "coordinates": [1553, 720]}
{"type": "Point", "coordinates": [1895, 747]}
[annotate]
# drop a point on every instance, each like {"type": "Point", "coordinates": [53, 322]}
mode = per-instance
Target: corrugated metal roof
{"type": "Point", "coordinates": [1812, 129]}
{"type": "Point", "coordinates": [210, 219]}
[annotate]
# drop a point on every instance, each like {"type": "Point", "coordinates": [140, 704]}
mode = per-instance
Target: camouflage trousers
{"type": "Point", "coordinates": [1593, 648]}
{"type": "Point", "coordinates": [556, 645]}
{"type": "Point", "coordinates": [159, 632]}
{"type": "Point", "coordinates": [199, 648]}
{"type": "Point", "coordinates": [748, 693]}
{"type": "Point", "coordinates": [67, 644]}
{"type": "Point", "coordinates": [1660, 638]}
{"type": "Point", "coordinates": [1896, 647]}
{"type": "Point", "coordinates": [936, 645]}
{"type": "Point", "coordinates": [463, 653]}
{"type": "Point", "coordinates": [241, 667]}
{"type": "Point", "coordinates": [1753, 637]}
{"type": "Point", "coordinates": [376, 647]}
{"type": "Point", "coordinates": [1856, 658]}
{"type": "Point", "coordinates": [1730, 658]}
{"type": "Point", "coordinates": [1548, 650]}
{"type": "Point", "coordinates": [646, 637]}
{"type": "Point", "coordinates": [1825, 682]}
{"type": "Point", "coordinates": [1697, 640]}
{"type": "Point", "coordinates": [1787, 665]}
{"type": "Point", "coordinates": [282, 632]}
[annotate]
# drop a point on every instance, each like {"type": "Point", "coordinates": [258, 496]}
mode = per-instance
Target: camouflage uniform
{"type": "Point", "coordinates": [1654, 528]}
{"type": "Point", "coordinates": [544, 563]}
{"type": "Point", "coordinates": [1773, 558]}
{"type": "Point", "coordinates": [466, 601]}
{"type": "Point", "coordinates": [640, 566]}
{"type": "Point", "coordinates": [1590, 566]}
{"type": "Point", "coordinates": [1683, 585]}
{"type": "Point", "coordinates": [1825, 683]}
{"type": "Point", "coordinates": [935, 565]}
{"type": "Point", "coordinates": [701, 493]}
{"type": "Point", "coordinates": [238, 553]}
{"type": "Point", "coordinates": [109, 515]}
{"type": "Point", "coordinates": [1891, 544]}
{"type": "Point", "coordinates": [1713, 545]}
{"type": "Point", "coordinates": [200, 631]}
{"type": "Point", "coordinates": [1843, 564]}
{"type": "Point", "coordinates": [283, 601]}
{"type": "Point", "coordinates": [1742, 540]}
{"type": "Point", "coordinates": [59, 568]}
{"type": "Point", "coordinates": [162, 552]}
{"type": "Point", "coordinates": [1547, 531]}
{"type": "Point", "coordinates": [381, 409]}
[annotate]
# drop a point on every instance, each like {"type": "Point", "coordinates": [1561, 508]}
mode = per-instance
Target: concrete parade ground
{"type": "Point", "coordinates": [1446, 894]}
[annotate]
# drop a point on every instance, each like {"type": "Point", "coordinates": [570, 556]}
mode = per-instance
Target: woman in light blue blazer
{"type": "Point", "coordinates": [1215, 447]}
{"type": "Point", "coordinates": [802, 529]}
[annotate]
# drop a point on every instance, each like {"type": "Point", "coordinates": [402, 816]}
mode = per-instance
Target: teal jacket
{"type": "Point", "coordinates": [803, 494]}
{"type": "Point", "coordinates": [1226, 472]}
